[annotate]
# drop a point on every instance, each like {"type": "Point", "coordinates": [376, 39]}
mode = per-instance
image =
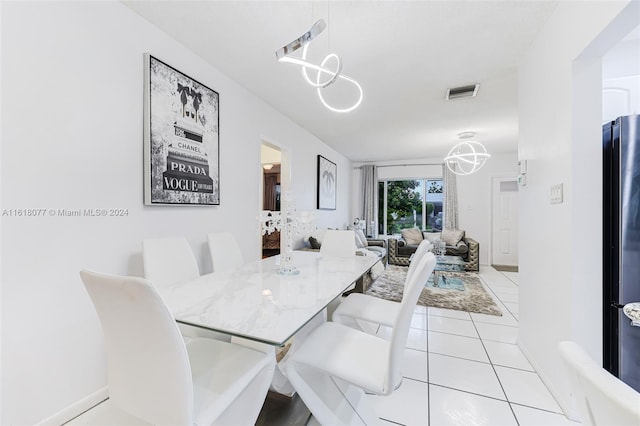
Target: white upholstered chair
{"type": "Point", "coordinates": [366, 313]}
{"type": "Point", "coordinates": [336, 362]}
{"type": "Point", "coordinates": [168, 261]}
{"type": "Point", "coordinates": [225, 251]}
{"type": "Point", "coordinates": [155, 377]}
{"type": "Point", "coordinates": [602, 398]}
{"type": "Point", "coordinates": [338, 243]}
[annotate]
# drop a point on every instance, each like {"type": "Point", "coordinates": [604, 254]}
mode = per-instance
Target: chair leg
{"type": "Point", "coordinates": [331, 401]}
{"type": "Point", "coordinates": [246, 408]}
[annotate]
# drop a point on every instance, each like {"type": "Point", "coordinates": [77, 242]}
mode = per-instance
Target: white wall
{"type": "Point", "coordinates": [560, 136]}
{"type": "Point", "coordinates": [474, 191]}
{"type": "Point", "coordinates": [72, 79]}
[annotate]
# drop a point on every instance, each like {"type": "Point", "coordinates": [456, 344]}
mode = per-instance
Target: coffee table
{"type": "Point", "coordinates": [446, 263]}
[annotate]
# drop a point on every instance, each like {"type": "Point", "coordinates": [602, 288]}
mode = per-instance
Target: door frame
{"type": "Point", "coordinates": [285, 177]}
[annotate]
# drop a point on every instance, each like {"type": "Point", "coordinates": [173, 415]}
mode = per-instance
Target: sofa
{"type": "Point", "coordinates": [401, 248]}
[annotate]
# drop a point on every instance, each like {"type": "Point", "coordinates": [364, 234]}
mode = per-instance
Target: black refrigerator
{"type": "Point", "coordinates": [621, 251]}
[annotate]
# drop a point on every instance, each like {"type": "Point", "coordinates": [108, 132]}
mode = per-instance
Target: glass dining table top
{"type": "Point", "coordinates": [257, 303]}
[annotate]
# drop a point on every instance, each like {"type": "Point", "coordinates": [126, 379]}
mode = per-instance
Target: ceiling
{"type": "Point", "coordinates": [405, 54]}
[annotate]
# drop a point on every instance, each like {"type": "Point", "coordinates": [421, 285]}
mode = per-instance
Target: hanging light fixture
{"type": "Point", "coordinates": [324, 76]}
{"type": "Point", "coordinates": [466, 157]}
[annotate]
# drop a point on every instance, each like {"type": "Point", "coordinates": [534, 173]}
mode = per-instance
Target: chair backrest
{"type": "Point", "coordinates": [168, 261]}
{"type": "Point", "coordinates": [602, 398]}
{"type": "Point", "coordinates": [422, 249]}
{"type": "Point", "coordinates": [338, 243]}
{"type": "Point", "coordinates": [225, 251]}
{"type": "Point", "coordinates": [412, 290]}
{"type": "Point", "coordinates": [149, 374]}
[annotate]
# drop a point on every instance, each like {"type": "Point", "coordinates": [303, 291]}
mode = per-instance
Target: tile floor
{"type": "Point", "coordinates": [466, 369]}
{"type": "Point", "coordinates": [461, 369]}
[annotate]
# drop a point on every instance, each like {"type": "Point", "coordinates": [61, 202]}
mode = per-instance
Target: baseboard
{"type": "Point", "coordinates": [568, 407]}
{"type": "Point", "coordinates": [77, 408]}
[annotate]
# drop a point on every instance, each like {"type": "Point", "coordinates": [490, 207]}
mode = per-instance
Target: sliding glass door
{"type": "Point", "coordinates": [410, 203]}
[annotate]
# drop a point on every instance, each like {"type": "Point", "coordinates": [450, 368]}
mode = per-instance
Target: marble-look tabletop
{"type": "Point", "coordinates": [632, 311]}
{"type": "Point", "coordinates": [257, 303]}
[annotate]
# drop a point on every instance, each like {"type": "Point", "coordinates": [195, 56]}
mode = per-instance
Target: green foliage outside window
{"type": "Point", "coordinates": [404, 205]}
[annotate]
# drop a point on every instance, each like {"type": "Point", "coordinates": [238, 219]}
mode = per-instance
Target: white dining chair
{"type": "Point", "coordinates": [333, 367]}
{"type": "Point", "coordinates": [154, 376]}
{"type": "Point", "coordinates": [337, 243]}
{"type": "Point", "coordinates": [168, 261]}
{"type": "Point", "coordinates": [602, 398]}
{"type": "Point", "coordinates": [225, 251]}
{"type": "Point", "coordinates": [367, 313]}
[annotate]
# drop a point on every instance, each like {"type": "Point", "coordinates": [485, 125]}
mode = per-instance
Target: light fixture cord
{"type": "Point", "coordinates": [328, 25]}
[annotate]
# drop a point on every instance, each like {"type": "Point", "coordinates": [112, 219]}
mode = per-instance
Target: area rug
{"type": "Point", "coordinates": [474, 298]}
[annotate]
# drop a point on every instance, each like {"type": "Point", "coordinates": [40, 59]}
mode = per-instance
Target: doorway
{"type": "Point", "coordinates": [504, 223]}
{"type": "Point", "coordinates": [271, 168]}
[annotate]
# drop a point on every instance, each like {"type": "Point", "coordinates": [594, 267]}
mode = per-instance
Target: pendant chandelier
{"type": "Point", "coordinates": [466, 157]}
{"type": "Point", "coordinates": [324, 76]}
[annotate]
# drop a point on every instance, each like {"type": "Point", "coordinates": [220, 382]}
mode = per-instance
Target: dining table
{"type": "Point", "coordinates": [258, 303]}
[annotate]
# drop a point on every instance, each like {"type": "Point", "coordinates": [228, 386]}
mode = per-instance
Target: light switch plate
{"type": "Point", "coordinates": [556, 194]}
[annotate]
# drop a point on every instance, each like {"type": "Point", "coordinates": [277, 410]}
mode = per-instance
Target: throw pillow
{"type": "Point", "coordinates": [452, 236]}
{"type": "Point", "coordinates": [431, 236]}
{"type": "Point", "coordinates": [315, 244]}
{"type": "Point", "coordinates": [412, 236]}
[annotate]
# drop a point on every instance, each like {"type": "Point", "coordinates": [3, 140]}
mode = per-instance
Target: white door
{"type": "Point", "coordinates": [504, 241]}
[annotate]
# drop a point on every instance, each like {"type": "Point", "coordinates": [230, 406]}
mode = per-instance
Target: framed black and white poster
{"type": "Point", "coordinates": [327, 175]}
{"type": "Point", "coordinates": [182, 139]}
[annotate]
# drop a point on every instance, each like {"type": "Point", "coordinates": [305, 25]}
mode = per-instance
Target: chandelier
{"type": "Point", "coordinates": [324, 76]}
{"type": "Point", "coordinates": [466, 157]}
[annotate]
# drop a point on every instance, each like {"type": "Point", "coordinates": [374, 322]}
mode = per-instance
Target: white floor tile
{"type": "Point", "coordinates": [507, 355]}
{"type": "Point", "coordinates": [458, 346]}
{"type": "Point", "coordinates": [512, 307]}
{"type": "Point", "coordinates": [407, 405]}
{"type": "Point", "coordinates": [526, 388]}
{"type": "Point", "coordinates": [507, 297]}
{"type": "Point", "coordinates": [417, 339]}
{"type": "Point", "coordinates": [452, 407]}
{"type": "Point", "coordinates": [419, 321]}
{"type": "Point", "coordinates": [499, 333]}
{"type": "Point", "coordinates": [505, 319]}
{"type": "Point", "coordinates": [532, 417]}
{"type": "Point", "coordinates": [510, 289]}
{"type": "Point", "coordinates": [420, 310]}
{"type": "Point", "coordinates": [415, 365]}
{"type": "Point", "coordinates": [513, 276]}
{"type": "Point", "coordinates": [505, 285]}
{"type": "Point", "coordinates": [449, 313]}
{"type": "Point", "coordinates": [452, 326]}
{"type": "Point", "coordinates": [461, 374]}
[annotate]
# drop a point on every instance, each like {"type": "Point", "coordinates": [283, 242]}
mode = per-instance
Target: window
{"type": "Point", "coordinates": [408, 203]}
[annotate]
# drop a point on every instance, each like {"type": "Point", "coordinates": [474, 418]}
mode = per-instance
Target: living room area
{"type": "Point", "coordinates": [73, 95]}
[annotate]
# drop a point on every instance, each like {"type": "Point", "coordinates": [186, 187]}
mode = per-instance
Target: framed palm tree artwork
{"type": "Point", "coordinates": [327, 184]}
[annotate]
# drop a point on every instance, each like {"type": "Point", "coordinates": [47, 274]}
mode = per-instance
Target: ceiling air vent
{"type": "Point", "coordinates": [463, 91]}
